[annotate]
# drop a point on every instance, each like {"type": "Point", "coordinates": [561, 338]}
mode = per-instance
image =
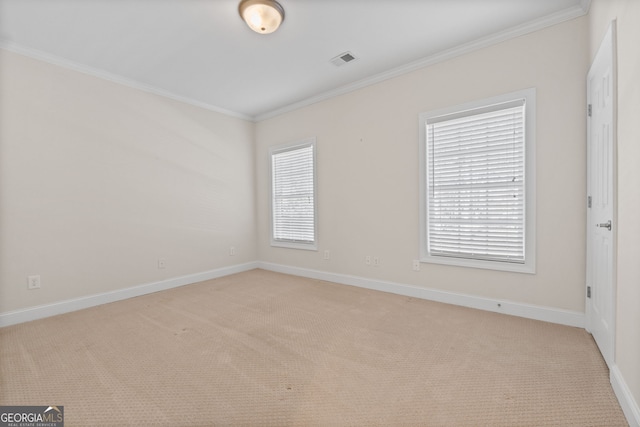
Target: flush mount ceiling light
{"type": "Point", "coordinates": [262, 16]}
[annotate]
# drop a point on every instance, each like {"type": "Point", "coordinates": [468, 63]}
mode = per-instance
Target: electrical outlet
{"type": "Point", "coordinates": [376, 261]}
{"type": "Point", "coordinates": [162, 263]}
{"type": "Point", "coordinates": [416, 265]}
{"type": "Point", "coordinates": [367, 260]}
{"type": "Point", "coordinates": [232, 251]}
{"type": "Point", "coordinates": [327, 254]}
{"type": "Point", "coordinates": [33, 282]}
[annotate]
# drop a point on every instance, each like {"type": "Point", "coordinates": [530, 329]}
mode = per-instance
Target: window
{"type": "Point", "coordinates": [293, 201]}
{"type": "Point", "coordinates": [478, 196]}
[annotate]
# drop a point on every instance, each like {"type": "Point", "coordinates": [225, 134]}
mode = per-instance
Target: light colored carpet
{"type": "Point", "coordinates": [267, 349]}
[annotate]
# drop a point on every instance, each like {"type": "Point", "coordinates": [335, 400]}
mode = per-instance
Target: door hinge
{"type": "Point", "coordinates": [588, 291]}
{"type": "Point", "coordinates": [588, 201]}
{"type": "Point", "coordinates": [589, 110]}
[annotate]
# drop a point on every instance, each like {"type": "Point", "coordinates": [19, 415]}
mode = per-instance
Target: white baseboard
{"type": "Point", "coordinates": [42, 311]}
{"type": "Point", "coordinates": [564, 317]}
{"type": "Point", "coordinates": [547, 314]}
{"type": "Point", "coordinates": [627, 402]}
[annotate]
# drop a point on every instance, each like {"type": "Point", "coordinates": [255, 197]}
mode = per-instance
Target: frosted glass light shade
{"type": "Point", "coordinates": [262, 16]}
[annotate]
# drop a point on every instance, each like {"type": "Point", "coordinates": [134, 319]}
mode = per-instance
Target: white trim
{"type": "Point", "coordinates": [529, 266]}
{"type": "Point", "coordinates": [563, 317]}
{"type": "Point", "coordinates": [94, 72]}
{"type": "Point", "coordinates": [585, 5]}
{"type": "Point", "coordinates": [625, 398]}
{"type": "Point", "coordinates": [290, 146]}
{"type": "Point", "coordinates": [546, 314]}
{"type": "Point", "coordinates": [608, 348]}
{"type": "Point", "coordinates": [526, 28]}
{"type": "Point", "coordinates": [61, 307]}
{"type": "Point", "coordinates": [520, 30]}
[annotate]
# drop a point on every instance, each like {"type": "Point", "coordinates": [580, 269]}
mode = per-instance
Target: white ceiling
{"type": "Point", "coordinates": [200, 51]}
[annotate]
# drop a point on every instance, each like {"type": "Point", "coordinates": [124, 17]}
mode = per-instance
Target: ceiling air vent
{"type": "Point", "coordinates": [343, 58]}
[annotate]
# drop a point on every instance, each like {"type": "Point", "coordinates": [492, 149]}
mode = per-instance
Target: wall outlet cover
{"type": "Point", "coordinates": [33, 282]}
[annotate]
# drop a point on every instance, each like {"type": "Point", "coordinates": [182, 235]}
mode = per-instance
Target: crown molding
{"type": "Point", "coordinates": [585, 5]}
{"type": "Point", "coordinates": [568, 14]}
{"type": "Point", "coordinates": [520, 30]}
{"type": "Point", "coordinates": [94, 72]}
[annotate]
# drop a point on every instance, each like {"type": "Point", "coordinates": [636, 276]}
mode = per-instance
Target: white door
{"type": "Point", "coordinates": [600, 301]}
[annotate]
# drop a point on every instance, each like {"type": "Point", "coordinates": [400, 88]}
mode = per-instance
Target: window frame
{"type": "Point", "coordinates": [285, 243]}
{"type": "Point", "coordinates": [529, 265]}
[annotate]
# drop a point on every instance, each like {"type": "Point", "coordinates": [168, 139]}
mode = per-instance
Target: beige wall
{"type": "Point", "coordinates": [367, 148]}
{"type": "Point", "coordinates": [627, 16]}
{"type": "Point", "coordinates": [99, 180]}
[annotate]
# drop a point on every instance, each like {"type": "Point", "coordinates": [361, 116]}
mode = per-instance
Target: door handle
{"type": "Point", "coordinates": [606, 225]}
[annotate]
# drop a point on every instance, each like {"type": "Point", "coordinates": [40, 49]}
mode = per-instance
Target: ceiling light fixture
{"type": "Point", "coordinates": [262, 16]}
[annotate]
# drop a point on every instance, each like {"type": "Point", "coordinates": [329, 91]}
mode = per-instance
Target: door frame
{"type": "Point", "coordinates": [608, 40]}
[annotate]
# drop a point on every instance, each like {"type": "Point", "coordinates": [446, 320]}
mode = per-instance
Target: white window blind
{"type": "Point", "coordinates": [476, 183]}
{"type": "Point", "coordinates": [293, 195]}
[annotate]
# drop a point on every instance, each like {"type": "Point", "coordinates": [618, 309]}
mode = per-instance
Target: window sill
{"type": "Point", "coordinates": [293, 245]}
{"type": "Point", "coordinates": [527, 268]}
